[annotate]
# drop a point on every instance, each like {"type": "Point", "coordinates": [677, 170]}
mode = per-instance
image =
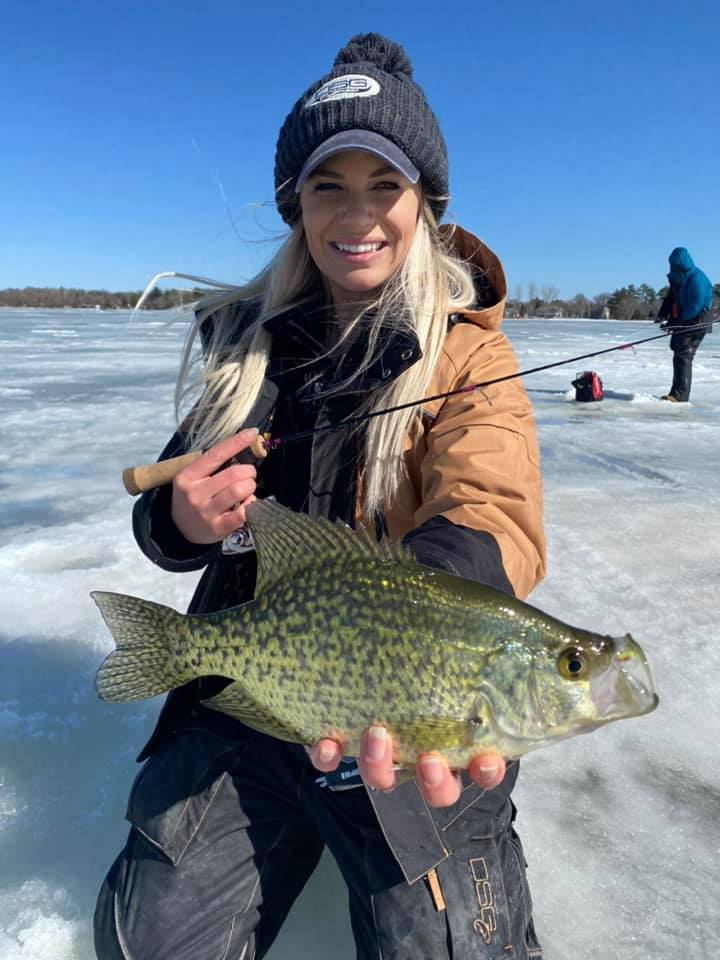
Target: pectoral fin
{"type": "Point", "coordinates": [434, 734]}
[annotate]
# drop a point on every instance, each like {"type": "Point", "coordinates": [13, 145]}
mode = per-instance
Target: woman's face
{"type": "Point", "coordinates": [359, 216]}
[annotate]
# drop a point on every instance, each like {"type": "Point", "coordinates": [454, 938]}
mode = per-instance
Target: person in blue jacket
{"type": "Point", "coordinates": [688, 303]}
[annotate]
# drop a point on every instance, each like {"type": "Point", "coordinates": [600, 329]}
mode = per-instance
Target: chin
{"type": "Point", "coordinates": [358, 285]}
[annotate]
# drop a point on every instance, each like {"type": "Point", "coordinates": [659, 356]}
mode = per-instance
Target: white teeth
{"type": "Point", "coordinates": [358, 247]}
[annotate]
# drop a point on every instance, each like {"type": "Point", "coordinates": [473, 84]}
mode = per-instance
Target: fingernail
{"type": "Point", "coordinates": [326, 753]}
{"type": "Point", "coordinates": [488, 766]}
{"type": "Point", "coordinates": [376, 742]}
{"type": "Point", "coordinates": [432, 771]}
{"type": "Point", "coordinates": [249, 433]}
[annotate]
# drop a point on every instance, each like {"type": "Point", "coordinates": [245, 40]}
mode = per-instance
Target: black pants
{"type": "Point", "coordinates": [684, 346]}
{"type": "Point", "coordinates": [226, 832]}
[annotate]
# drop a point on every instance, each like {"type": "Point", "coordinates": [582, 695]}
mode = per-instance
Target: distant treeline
{"type": "Point", "coordinates": [58, 297]}
{"type": "Point", "coordinates": [625, 303]}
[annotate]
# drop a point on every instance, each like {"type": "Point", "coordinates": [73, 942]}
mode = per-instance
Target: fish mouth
{"type": "Point", "coordinates": [625, 688]}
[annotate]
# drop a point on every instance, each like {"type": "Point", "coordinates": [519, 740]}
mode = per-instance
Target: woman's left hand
{"type": "Point", "coordinates": [438, 784]}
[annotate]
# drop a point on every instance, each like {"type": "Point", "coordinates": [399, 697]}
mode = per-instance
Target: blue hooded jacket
{"type": "Point", "coordinates": [692, 289]}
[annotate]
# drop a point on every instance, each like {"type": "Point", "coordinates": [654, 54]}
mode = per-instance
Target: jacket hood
{"type": "Point", "coordinates": [488, 275]}
{"type": "Point", "coordinates": [680, 261]}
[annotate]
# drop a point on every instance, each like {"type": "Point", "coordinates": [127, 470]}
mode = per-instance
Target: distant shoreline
{"type": "Point", "coordinates": [60, 298]}
{"type": "Point", "coordinates": [627, 303]}
{"type": "Point", "coordinates": [5, 308]}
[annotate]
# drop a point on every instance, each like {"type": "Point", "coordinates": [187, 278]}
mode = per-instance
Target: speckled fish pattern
{"type": "Point", "coordinates": [345, 632]}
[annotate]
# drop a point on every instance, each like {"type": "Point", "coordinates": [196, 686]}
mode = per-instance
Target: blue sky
{"type": "Point", "coordinates": [137, 137]}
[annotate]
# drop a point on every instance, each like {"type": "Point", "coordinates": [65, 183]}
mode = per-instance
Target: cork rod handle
{"type": "Point", "coordinates": [150, 475]}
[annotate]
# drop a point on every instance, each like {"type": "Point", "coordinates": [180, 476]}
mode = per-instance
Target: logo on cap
{"type": "Point", "coordinates": [343, 88]}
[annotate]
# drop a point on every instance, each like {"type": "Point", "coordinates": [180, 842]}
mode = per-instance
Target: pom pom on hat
{"type": "Point", "coordinates": [373, 48]}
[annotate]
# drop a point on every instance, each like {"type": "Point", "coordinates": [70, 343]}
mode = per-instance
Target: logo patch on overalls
{"type": "Point", "coordinates": [486, 923]}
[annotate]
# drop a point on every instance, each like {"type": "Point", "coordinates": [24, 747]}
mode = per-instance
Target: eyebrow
{"type": "Point", "coordinates": [323, 172]}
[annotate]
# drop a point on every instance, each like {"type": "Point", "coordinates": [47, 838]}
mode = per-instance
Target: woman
{"type": "Point", "coordinates": [367, 305]}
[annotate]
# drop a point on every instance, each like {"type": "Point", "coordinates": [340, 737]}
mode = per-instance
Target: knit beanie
{"type": "Point", "coordinates": [370, 98]}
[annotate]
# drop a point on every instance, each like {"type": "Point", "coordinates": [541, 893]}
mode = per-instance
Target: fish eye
{"type": "Point", "coordinates": [573, 664]}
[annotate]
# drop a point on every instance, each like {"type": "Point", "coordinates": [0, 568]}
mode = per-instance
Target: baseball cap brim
{"type": "Point", "coordinates": [365, 140]}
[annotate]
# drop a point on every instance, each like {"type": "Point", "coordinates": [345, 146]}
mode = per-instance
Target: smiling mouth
{"type": "Point", "coordinates": [358, 248]}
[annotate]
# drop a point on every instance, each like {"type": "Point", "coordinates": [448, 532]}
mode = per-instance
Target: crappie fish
{"type": "Point", "coordinates": [345, 632]}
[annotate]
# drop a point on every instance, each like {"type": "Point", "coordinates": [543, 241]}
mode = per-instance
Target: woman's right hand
{"type": "Point", "coordinates": [207, 506]}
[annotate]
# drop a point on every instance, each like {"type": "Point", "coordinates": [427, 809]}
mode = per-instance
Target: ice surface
{"type": "Point", "coordinates": [621, 828]}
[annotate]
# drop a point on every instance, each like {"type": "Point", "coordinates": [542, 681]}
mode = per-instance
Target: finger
{"type": "Point", "coordinates": [487, 770]}
{"type": "Point", "coordinates": [438, 785]}
{"type": "Point", "coordinates": [219, 454]}
{"type": "Point", "coordinates": [229, 521]}
{"type": "Point", "coordinates": [237, 473]}
{"type": "Point", "coordinates": [325, 755]}
{"type": "Point", "coordinates": [376, 758]}
{"type": "Point", "coordinates": [231, 497]}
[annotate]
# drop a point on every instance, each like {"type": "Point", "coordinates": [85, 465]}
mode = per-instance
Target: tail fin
{"type": "Point", "coordinates": [142, 665]}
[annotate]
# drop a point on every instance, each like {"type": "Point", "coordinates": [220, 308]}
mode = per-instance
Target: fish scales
{"type": "Point", "coordinates": [344, 632]}
{"type": "Point", "coordinates": [340, 657]}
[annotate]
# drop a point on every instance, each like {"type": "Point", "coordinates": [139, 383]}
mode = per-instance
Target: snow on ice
{"type": "Point", "coordinates": [620, 828]}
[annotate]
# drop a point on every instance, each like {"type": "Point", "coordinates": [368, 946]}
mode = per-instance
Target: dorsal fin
{"type": "Point", "coordinates": [286, 542]}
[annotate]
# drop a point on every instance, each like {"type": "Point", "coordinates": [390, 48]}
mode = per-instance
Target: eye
{"type": "Point", "coordinates": [386, 185]}
{"type": "Point", "coordinates": [573, 664]}
{"type": "Point", "coordinates": [325, 185]}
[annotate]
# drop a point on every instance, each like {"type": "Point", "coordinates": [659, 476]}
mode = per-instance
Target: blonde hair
{"type": "Point", "coordinates": [430, 284]}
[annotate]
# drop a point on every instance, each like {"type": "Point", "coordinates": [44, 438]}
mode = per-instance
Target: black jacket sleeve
{"type": "Point", "coordinates": [470, 554]}
{"type": "Point", "coordinates": [156, 534]}
{"type": "Point", "coordinates": [665, 311]}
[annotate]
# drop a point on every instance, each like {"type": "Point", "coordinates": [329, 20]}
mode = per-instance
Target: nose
{"type": "Point", "coordinates": [357, 209]}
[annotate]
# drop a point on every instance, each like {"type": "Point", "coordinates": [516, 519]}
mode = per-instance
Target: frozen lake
{"type": "Point", "coordinates": [621, 829]}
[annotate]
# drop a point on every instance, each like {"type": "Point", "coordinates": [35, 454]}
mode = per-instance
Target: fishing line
{"type": "Point", "coordinates": [271, 443]}
{"type": "Point", "coordinates": [140, 478]}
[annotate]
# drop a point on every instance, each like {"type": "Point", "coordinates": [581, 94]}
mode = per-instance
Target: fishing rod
{"type": "Point", "coordinates": [148, 476]}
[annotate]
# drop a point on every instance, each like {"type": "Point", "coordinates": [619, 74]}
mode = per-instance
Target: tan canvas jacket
{"type": "Point", "coordinates": [475, 459]}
